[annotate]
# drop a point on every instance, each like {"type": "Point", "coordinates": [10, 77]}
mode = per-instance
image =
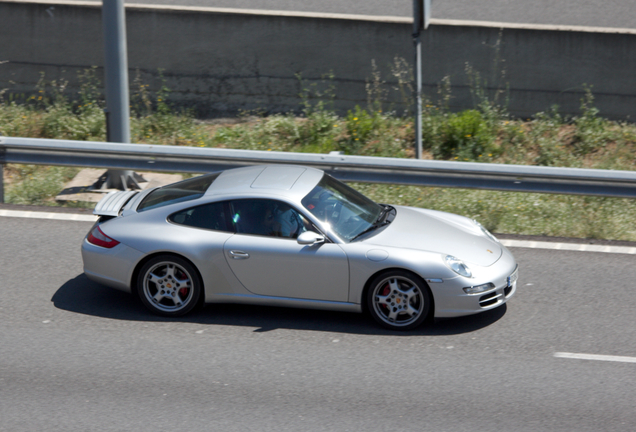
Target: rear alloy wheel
{"type": "Point", "coordinates": [398, 300]}
{"type": "Point", "coordinates": [169, 286]}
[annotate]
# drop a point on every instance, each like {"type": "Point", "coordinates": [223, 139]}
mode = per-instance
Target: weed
{"type": "Point", "coordinates": [31, 184]}
{"type": "Point", "coordinates": [403, 73]}
{"type": "Point", "coordinates": [444, 94]}
{"type": "Point", "coordinates": [317, 96]}
{"type": "Point", "coordinates": [463, 136]}
{"type": "Point", "coordinates": [376, 89]}
{"type": "Point", "coordinates": [592, 132]}
{"type": "Point", "coordinates": [140, 98]}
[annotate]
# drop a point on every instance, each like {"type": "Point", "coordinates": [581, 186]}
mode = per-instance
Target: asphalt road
{"type": "Point", "coordinates": [608, 13]}
{"type": "Point", "coordinates": [76, 356]}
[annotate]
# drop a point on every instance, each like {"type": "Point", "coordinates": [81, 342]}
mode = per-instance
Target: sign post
{"type": "Point", "coordinates": [421, 18]}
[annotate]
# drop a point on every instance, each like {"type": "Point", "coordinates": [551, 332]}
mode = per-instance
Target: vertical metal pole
{"type": "Point", "coordinates": [1, 183]}
{"type": "Point", "coordinates": [2, 156]}
{"type": "Point", "coordinates": [116, 70]}
{"type": "Point", "coordinates": [421, 17]}
{"type": "Point", "coordinates": [107, 118]}
{"type": "Point", "coordinates": [418, 96]}
{"type": "Point", "coordinates": [116, 73]}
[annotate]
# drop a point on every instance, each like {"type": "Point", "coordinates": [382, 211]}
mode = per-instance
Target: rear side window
{"type": "Point", "coordinates": [185, 190]}
{"type": "Point", "coordinates": [209, 216]}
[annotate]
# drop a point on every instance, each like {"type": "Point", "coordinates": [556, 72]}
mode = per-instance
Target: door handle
{"type": "Point", "coordinates": [239, 254]}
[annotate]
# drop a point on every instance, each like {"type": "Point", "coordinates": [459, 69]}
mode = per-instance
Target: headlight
{"type": "Point", "coordinates": [485, 231]}
{"type": "Point", "coordinates": [458, 266]}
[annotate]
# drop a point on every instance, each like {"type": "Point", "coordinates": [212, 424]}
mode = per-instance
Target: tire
{"type": "Point", "coordinates": [169, 286]}
{"type": "Point", "coordinates": [398, 300]}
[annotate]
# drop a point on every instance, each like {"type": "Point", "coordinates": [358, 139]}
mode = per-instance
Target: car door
{"type": "Point", "coordinates": [268, 260]}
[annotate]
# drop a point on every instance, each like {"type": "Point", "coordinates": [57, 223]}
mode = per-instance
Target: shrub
{"type": "Point", "coordinates": [464, 136]}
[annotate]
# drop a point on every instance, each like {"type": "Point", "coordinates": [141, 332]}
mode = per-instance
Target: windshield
{"type": "Point", "coordinates": [345, 210]}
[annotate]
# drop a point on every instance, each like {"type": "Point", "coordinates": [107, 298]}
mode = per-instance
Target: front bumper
{"type": "Point", "coordinates": [452, 301]}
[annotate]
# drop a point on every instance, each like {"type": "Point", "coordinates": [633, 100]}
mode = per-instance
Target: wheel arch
{"type": "Point", "coordinates": [367, 286]}
{"type": "Point", "coordinates": [144, 260]}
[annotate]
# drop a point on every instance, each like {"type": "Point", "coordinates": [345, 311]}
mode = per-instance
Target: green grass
{"type": "Point", "coordinates": [483, 134]}
{"type": "Point", "coordinates": [36, 184]}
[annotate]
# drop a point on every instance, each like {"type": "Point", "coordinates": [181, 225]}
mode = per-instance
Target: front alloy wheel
{"type": "Point", "coordinates": [169, 286]}
{"type": "Point", "coordinates": [398, 300]}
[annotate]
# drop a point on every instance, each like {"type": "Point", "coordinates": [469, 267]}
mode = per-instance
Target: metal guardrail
{"type": "Point", "coordinates": [518, 178]}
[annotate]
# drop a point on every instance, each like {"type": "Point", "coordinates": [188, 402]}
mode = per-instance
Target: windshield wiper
{"type": "Point", "coordinates": [379, 222]}
{"type": "Point", "coordinates": [383, 213]}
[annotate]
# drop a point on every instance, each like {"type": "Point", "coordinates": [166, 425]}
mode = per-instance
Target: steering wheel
{"type": "Point", "coordinates": [334, 214]}
{"type": "Point", "coordinates": [324, 196]}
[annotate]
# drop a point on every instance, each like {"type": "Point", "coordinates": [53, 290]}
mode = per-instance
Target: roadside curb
{"type": "Point", "coordinates": [47, 215]}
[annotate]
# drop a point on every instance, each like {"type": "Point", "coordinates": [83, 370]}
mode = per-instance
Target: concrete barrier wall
{"type": "Point", "coordinates": [223, 61]}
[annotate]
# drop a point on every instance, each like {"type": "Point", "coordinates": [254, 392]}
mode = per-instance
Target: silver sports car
{"type": "Point", "coordinates": [294, 236]}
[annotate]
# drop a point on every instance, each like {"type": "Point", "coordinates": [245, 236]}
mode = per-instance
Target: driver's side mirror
{"type": "Point", "coordinates": [310, 238]}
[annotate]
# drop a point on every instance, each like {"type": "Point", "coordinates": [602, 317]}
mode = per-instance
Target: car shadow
{"type": "Point", "coordinates": [83, 296]}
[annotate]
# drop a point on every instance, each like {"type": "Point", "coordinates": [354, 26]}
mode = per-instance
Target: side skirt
{"type": "Point", "coordinates": [285, 302]}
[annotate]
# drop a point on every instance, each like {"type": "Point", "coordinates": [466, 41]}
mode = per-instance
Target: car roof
{"type": "Point", "coordinates": [290, 180]}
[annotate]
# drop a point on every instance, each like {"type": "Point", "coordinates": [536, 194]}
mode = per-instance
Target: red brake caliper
{"type": "Point", "coordinates": [385, 292]}
{"type": "Point", "coordinates": [183, 291]}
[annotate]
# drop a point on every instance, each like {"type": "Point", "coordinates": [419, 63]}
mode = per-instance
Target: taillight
{"type": "Point", "coordinates": [98, 238]}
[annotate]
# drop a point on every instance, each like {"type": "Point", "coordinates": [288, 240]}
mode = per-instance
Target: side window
{"type": "Point", "coordinates": [267, 218]}
{"type": "Point", "coordinates": [185, 190]}
{"type": "Point", "coordinates": [209, 216]}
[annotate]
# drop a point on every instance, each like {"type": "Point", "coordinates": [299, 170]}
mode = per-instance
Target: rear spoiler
{"type": "Point", "coordinates": [113, 202]}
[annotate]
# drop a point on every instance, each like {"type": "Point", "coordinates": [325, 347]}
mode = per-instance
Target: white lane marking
{"type": "Point", "coordinates": [598, 357]}
{"type": "Point", "coordinates": [569, 246]}
{"type": "Point", "coordinates": [47, 215]}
